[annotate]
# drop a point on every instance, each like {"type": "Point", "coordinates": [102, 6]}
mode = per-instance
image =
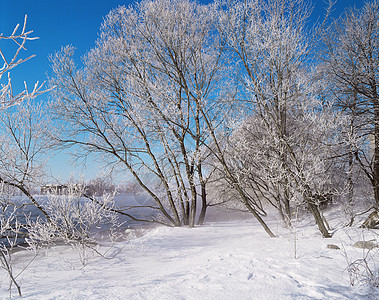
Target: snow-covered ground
{"type": "Point", "coordinates": [221, 260]}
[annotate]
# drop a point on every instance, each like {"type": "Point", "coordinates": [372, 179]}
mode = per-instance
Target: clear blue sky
{"type": "Point", "coordinates": [61, 22]}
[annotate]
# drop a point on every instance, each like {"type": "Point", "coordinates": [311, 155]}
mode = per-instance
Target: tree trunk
{"type": "Point", "coordinates": [260, 220]}
{"type": "Point", "coordinates": [280, 209]}
{"type": "Point", "coordinates": [350, 195]}
{"type": "Point", "coordinates": [287, 204]}
{"type": "Point", "coordinates": [318, 218]}
{"type": "Point", "coordinates": [203, 211]}
{"type": "Point", "coordinates": [282, 108]}
{"type": "Point", "coordinates": [253, 211]}
{"type": "Point", "coordinates": [350, 180]}
{"type": "Point", "coordinates": [351, 153]}
{"type": "Point", "coordinates": [201, 219]}
{"type": "Point", "coordinates": [187, 212]}
{"type": "Point", "coordinates": [193, 208]}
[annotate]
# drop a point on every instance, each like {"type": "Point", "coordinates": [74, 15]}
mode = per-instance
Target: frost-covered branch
{"type": "Point", "coordinates": [19, 37]}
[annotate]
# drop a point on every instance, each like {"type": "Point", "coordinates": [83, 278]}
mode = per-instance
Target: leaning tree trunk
{"type": "Point", "coordinates": [251, 209]}
{"type": "Point", "coordinates": [319, 220]}
{"type": "Point", "coordinates": [317, 215]}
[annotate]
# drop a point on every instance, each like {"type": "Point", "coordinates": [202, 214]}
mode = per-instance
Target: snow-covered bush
{"type": "Point", "coordinates": [73, 220]}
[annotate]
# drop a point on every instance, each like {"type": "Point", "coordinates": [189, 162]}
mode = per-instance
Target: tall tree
{"type": "Point", "coordinates": [138, 100]}
{"type": "Point", "coordinates": [271, 48]}
{"type": "Point", "coordinates": [353, 64]}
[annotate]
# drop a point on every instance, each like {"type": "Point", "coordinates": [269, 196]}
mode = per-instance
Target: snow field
{"type": "Point", "coordinates": [223, 260]}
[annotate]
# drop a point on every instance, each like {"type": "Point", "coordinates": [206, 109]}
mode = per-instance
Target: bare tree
{"type": "Point", "coordinates": [137, 102]}
{"type": "Point", "coordinates": [154, 97]}
{"type": "Point", "coordinates": [352, 61]}
{"type": "Point", "coordinates": [354, 143]}
{"type": "Point", "coordinates": [272, 48]}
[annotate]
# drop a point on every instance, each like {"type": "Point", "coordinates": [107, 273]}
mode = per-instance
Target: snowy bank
{"type": "Point", "coordinates": [223, 260]}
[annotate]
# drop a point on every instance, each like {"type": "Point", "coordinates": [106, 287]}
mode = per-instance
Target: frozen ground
{"type": "Point", "coordinates": [221, 260]}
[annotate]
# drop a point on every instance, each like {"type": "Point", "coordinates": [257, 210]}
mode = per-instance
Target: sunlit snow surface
{"type": "Point", "coordinates": [221, 260]}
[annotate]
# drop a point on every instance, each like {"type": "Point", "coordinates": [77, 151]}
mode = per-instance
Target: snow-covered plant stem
{"type": "Point", "coordinates": [9, 231]}
{"type": "Point", "coordinates": [365, 269]}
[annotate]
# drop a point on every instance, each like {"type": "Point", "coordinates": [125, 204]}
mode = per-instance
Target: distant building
{"type": "Point", "coordinates": [53, 189]}
{"type": "Point", "coordinates": [61, 189]}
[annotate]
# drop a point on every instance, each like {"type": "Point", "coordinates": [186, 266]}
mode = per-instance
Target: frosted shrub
{"type": "Point", "coordinates": [73, 221]}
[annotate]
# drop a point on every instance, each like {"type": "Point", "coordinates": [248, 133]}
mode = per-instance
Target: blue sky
{"type": "Point", "coordinates": [63, 22]}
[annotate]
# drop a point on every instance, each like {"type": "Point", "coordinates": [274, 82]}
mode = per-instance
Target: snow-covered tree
{"type": "Point", "coordinates": [280, 153]}
{"type": "Point", "coordinates": [352, 64]}
{"type": "Point", "coordinates": [137, 103]}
